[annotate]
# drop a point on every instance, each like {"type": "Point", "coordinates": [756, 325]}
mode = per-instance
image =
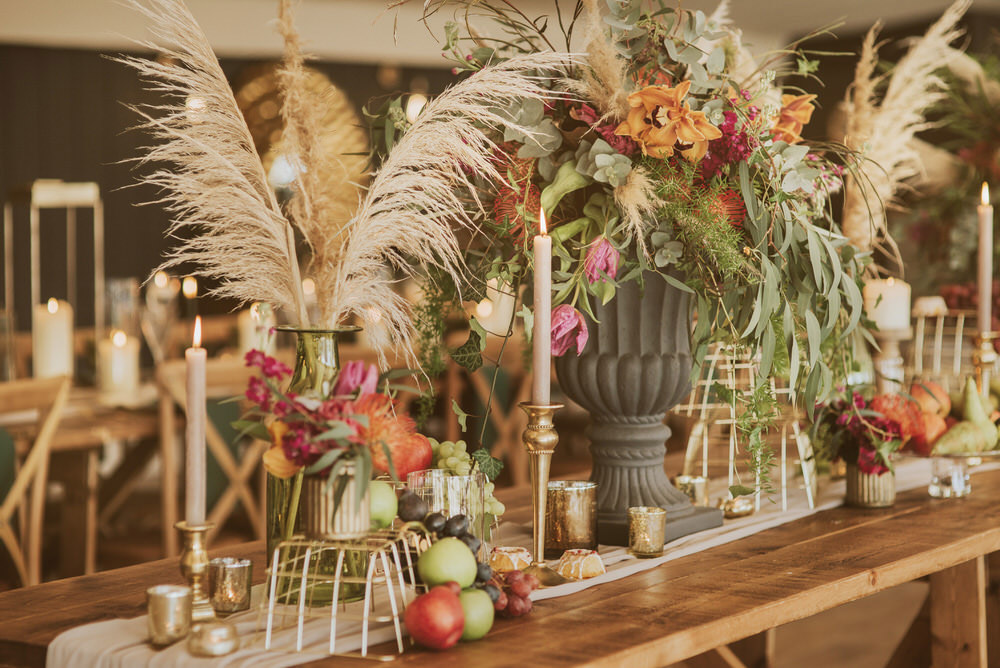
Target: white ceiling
{"type": "Point", "coordinates": [361, 31]}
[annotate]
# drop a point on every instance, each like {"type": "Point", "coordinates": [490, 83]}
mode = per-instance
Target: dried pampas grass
{"type": "Point", "coordinates": [603, 82]}
{"type": "Point", "coordinates": [883, 130]}
{"type": "Point", "coordinates": [211, 178]}
{"type": "Point", "coordinates": [637, 201]}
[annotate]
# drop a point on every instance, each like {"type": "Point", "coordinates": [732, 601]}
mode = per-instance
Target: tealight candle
{"type": "Point", "coordinates": [892, 312]}
{"type": "Point", "coordinates": [118, 364]}
{"type": "Point", "coordinates": [52, 339]}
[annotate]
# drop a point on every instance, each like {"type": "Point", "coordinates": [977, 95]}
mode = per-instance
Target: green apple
{"type": "Point", "coordinates": [383, 503]}
{"type": "Point", "coordinates": [449, 559]}
{"type": "Point", "coordinates": [478, 608]}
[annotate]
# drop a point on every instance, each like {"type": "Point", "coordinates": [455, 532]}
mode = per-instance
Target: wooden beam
{"type": "Point", "coordinates": [958, 616]}
{"type": "Point", "coordinates": [914, 650]}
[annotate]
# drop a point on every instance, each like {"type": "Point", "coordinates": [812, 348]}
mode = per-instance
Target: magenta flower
{"type": "Point", "coordinates": [259, 393]}
{"type": "Point", "coordinates": [869, 463]}
{"type": "Point", "coordinates": [602, 257]}
{"type": "Point", "coordinates": [254, 358]}
{"type": "Point", "coordinates": [274, 369]}
{"type": "Point", "coordinates": [568, 328]}
{"type": "Point", "coordinates": [355, 376]}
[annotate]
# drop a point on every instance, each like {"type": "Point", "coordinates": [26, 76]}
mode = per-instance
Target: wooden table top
{"type": "Point", "coordinates": [657, 617]}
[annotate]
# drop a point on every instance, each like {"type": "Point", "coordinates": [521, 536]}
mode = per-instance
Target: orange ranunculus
{"type": "Point", "coordinates": [275, 461]}
{"type": "Point", "coordinates": [796, 111]}
{"type": "Point", "coordinates": [661, 122]}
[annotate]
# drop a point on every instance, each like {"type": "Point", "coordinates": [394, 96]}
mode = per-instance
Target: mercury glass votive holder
{"type": "Point", "coordinates": [647, 527]}
{"type": "Point", "coordinates": [570, 516]}
{"type": "Point", "coordinates": [229, 584]}
{"type": "Point", "coordinates": [168, 616]}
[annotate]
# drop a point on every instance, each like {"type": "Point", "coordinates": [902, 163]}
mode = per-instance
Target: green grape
{"type": "Point", "coordinates": [495, 507]}
{"type": "Point", "coordinates": [489, 487]}
{"type": "Point", "coordinates": [463, 468]}
{"type": "Point", "coordinates": [451, 462]}
{"type": "Point", "coordinates": [460, 446]}
{"type": "Point", "coordinates": [447, 450]}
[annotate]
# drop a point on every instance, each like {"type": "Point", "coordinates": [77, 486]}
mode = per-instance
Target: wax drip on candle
{"type": "Point", "coordinates": [196, 339]}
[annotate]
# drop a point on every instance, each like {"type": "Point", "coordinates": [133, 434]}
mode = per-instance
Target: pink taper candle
{"type": "Point", "coordinates": [194, 497]}
{"type": "Point", "coordinates": [985, 282]}
{"type": "Point", "coordinates": [542, 332]}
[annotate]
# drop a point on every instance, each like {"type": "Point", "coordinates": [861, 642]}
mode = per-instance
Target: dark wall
{"type": "Point", "coordinates": [63, 116]}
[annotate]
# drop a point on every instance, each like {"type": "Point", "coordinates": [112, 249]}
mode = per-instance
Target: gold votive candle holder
{"type": "Point", "coordinates": [570, 516]}
{"type": "Point", "coordinates": [695, 487]}
{"type": "Point", "coordinates": [647, 529]}
{"type": "Point", "coordinates": [168, 616]}
{"type": "Point", "coordinates": [213, 639]}
{"type": "Point", "coordinates": [229, 584]}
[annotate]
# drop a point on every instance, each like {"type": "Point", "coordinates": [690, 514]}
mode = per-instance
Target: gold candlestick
{"type": "Point", "coordinates": [983, 357]}
{"type": "Point", "coordinates": [194, 568]}
{"type": "Point", "coordinates": [540, 439]}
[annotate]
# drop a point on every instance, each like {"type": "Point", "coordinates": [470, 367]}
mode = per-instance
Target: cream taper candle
{"type": "Point", "coordinates": [542, 330]}
{"type": "Point", "coordinates": [194, 497]}
{"type": "Point", "coordinates": [984, 312]}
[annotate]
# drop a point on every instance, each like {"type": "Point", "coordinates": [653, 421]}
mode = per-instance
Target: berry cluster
{"type": "Point", "coordinates": [514, 589]}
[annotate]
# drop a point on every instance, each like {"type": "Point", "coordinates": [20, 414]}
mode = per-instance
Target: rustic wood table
{"type": "Point", "coordinates": [675, 612]}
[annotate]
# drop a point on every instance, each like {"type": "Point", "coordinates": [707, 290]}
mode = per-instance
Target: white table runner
{"type": "Point", "coordinates": [121, 643]}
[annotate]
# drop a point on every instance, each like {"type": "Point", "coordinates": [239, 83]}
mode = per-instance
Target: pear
{"type": "Point", "coordinates": [962, 437]}
{"type": "Point", "coordinates": [974, 412]}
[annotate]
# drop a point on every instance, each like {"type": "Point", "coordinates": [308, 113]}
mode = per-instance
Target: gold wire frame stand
{"type": "Point", "coordinates": [292, 580]}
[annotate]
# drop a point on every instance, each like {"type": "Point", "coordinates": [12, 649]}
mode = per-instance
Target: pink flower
{"type": "Point", "coordinates": [254, 358]}
{"type": "Point", "coordinates": [869, 463]}
{"type": "Point", "coordinates": [274, 369]}
{"type": "Point", "coordinates": [355, 376]}
{"type": "Point", "coordinates": [259, 393]}
{"type": "Point", "coordinates": [568, 328]}
{"type": "Point", "coordinates": [602, 257]}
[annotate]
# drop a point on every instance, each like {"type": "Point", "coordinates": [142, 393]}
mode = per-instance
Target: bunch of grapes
{"type": "Point", "coordinates": [414, 509]}
{"type": "Point", "coordinates": [515, 588]}
{"type": "Point", "coordinates": [454, 458]}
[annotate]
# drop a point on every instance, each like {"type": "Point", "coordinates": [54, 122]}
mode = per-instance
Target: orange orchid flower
{"type": "Point", "coordinates": [796, 112]}
{"type": "Point", "coordinates": [661, 122]}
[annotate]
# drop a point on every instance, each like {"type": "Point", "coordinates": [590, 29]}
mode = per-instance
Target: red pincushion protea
{"type": "Point", "coordinates": [905, 412]}
{"type": "Point", "coordinates": [730, 205]}
{"type": "Point", "coordinates": [511, 206]}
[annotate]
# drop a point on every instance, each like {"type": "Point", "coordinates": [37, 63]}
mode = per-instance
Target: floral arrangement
{"type": "Point", "coordinates": [669, 154]}
{"type": "Point", "coordinates": [357, 424]}
{"type": "Point", "coordinates": [864, 432]}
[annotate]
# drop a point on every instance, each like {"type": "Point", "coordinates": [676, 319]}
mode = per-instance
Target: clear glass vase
{"type": "Point", "coordinates": [317, 364]}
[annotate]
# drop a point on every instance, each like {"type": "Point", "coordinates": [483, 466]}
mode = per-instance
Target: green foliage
{"type": "Point", "coordinates": [488, 464]}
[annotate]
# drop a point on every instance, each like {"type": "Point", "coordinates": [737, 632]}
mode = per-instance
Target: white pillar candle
{"type": "Point", "coordinates": [893, 310]}
{"type": "Point", "coordinates": [253, 326]}
{"type": "Point", "coordinates": [984, 313]}
{"type": "Point", "coordinates": [542, 331]}
{"type": "Point", "coordinates": [194, 497]}
{"type": "Point", "coordinates": [118, 364]}
{"type": "Point", "coordinates": [496, 311]}
{"type": "Point", "coordinates": [52, 339]}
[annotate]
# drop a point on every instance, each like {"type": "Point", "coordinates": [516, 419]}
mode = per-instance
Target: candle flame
{"type": "Point", "coordinates": [308, 287]}
{"type": "Point", "coordinates": [541, 221]}
{"type": "Point", "coordinates": [891, 281]}
{"type": "Point", "coordinates": [484, 308]}
{"type": "Point", "coordinates": [53, 305]}
{"type": "Point", "coordinates": [986, 194]}
{"type": "Point", "coordinates": [119, 338]}
{"type": "Point", "coordinates": [197, 331]}
{"type": "Point", "coordinates": [161, 279]}
{"type": "Point", "coordinates": [190, 287]}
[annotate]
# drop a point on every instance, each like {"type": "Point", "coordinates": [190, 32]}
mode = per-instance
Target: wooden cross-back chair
{"type": "Point", "coordinates": [26, 497]}
{"type": "Point", "coordinates": [225, 377]}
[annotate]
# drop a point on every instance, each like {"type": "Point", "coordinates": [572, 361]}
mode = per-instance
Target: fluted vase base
{"type": "Point", "coordinates": [628, 468]}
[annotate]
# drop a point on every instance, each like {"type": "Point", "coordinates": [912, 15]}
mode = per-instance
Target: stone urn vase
{"type": "Point", "coordinates": [636, 366]}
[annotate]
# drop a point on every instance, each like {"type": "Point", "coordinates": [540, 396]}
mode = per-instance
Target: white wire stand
{"type": "Point", "coordinates": [387, 558]}
{"type": "Point", "coordinates": [739, 372]}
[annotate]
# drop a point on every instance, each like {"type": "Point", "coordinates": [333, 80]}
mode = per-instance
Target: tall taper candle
{"type": "Point", "coordinates": [194, 497]}
{"type": "Point", "coordinates": [985, 312]}
{"type": "Point", "coordinates": [542, 331]}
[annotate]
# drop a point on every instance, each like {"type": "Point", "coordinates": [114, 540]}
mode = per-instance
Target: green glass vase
{"type": "Point", "coordinates": [317, 364]}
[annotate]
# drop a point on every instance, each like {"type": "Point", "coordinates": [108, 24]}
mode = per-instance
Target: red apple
{"type": "Point", "coordinates": [435, 619]}
{"type": "Point", "coordinates": [412, 454]}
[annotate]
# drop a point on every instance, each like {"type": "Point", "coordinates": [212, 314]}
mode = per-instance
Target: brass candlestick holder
{"type": "Point", "coordinates": [194, 568]}
{"type": "Point", "coordinates": [540, 439]}
{"type": "Point", "coordinates": [984, 357]}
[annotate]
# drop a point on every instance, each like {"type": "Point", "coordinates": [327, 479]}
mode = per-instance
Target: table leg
{"type": "Point", "coordinates": [168, 476]}
{"type": "Point", "coordinates": [958, 616]}
{"type": "Point", "coordinates": [77, 471]}
{"type": "Point", "coordinates": [993, 608]}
